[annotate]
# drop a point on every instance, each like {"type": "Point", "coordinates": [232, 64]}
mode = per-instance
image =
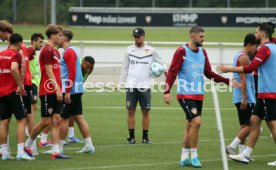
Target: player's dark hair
{"type": "Point", "coordinates": [249, 39]}
{"type": "Point", "coordinates": [35, 36]}
{"type": "Point", "coordinates": [69, 34]}
{"type": "Point", "coordinates": [52, 29]}
{"type": "Point", "coordinates": [89, 59]}
{"type": "Point", "coordinates": [196, 29]}
{"type": "Point", "coordinates": [272, 26]}
{"type": "Point", "coordinates": [16, 38]}
{"type": "Point", "coordinates": [267, 29]}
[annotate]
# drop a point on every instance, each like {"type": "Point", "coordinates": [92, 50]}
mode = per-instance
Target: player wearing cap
{"type": "Point", "coordinates": [136, 73]}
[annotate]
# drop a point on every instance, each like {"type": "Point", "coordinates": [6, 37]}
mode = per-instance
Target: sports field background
{"type": "Point", "coordinates": [106, 115]}
{"type": "Point", "coordinates": [152, 34]}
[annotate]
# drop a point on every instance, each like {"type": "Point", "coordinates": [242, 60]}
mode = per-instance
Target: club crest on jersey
{"type": "Point", "coordinates": [194, 111]}
{"type": "Point", "coordinates": [50, 111]}
{"type": "Point", "coordinates": [146, 51]}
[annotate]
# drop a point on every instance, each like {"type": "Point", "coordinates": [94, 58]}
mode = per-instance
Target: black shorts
{"type": "Point", "coordinates": [192, 108]}
{"type": "Point", "coordinates": [245, 115]}
{"type": "Point", "coordinates": [50, 105]}
{"type": "Point", "coordinates": [34, 93]}
{"type": "Point", "coordinates": [12, 104]}
{"type": "Point", "coordinates": [266, 109]}
{"type": "Point", "coordinates": [74, 108]}
{"type": "Point", "coordinates": [28, 99]}
{"type": "Point", "coordinates": [133, 95]}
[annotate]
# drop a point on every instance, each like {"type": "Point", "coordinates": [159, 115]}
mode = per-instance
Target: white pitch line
{"type": "Point", "coordinates": [157, 143]}
{"type": "Point", "coordinates": [152, 164]}
{"type": "Point", "coordinates": [154, 108]}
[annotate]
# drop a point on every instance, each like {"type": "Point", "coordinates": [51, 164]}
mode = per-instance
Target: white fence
{"type": "Point", "coordinates": [109, 54]}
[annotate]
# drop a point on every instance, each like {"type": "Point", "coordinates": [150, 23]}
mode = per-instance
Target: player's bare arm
{"type": "Point", "coordinates": [51, 77]}
{"type": "Point", "coordinates": [16, 75]}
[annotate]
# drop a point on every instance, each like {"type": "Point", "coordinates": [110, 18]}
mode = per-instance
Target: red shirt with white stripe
{"type": "Point", "coordinates": [7, 83]}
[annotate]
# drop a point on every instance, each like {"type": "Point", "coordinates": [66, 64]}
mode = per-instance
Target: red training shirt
{"type": "Point", "coordinates": [49, 56]}
{"type": "Point", "coordinates": [7, 83]}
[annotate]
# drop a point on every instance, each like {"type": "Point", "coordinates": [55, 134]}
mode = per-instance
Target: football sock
{"type": "Point", "coordinates": [185, 154]}
{"type": "Point", "coordinates": [55, 148]}
{"type": "Point", "coordinates": [44, 137]}
{"type": "Point", "coordinates": [20, 148]}
{"type": "Point", "coordinates": [193, 153]}
{"type": "Point", "coordinates": [145, 134]}
{"type": "Point", "coordinates": [247, 152]}
{"type": "Point", "coordinates": [235, 143]}
{"type": "Point", "coordinates": [61, 144]}
{"type": "Point", "coordinates": [71, 132]}
{"type": "Point", "coordinates": [4, 148]}
{"type": "Point", "coordinates": [88, 142]}
{"type": "Point", "coordinates": [29, 143]}
{"type": "Point", "coordinates": [241, 148]}
{"type": "Point", "coordinates": [131, 133]}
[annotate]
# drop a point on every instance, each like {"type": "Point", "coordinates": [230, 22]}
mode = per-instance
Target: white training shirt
{"type": "Point", "coordinates": [136, 66]}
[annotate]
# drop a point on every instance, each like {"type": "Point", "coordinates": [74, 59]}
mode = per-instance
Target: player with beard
{"type": "Point", "coordinates": [190, 63]}
{"type": "Point", "coordinates": [136, 73]}
{"type": "Point", "coordinates": [265, 109]}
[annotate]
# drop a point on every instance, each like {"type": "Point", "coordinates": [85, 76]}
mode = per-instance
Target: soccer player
{"type": "Point", "coordinates": [190, 63]}
{"type": "Point", "coordinates": [28, 97]}
{"type": "Point", "coordinates": [136, 72]}
{"type": "Point", "coordinates": [72, 83]}
{"type": "Point", "coordinates": [273, 40]}
{"type": "Point", "coordinates": [11, 100]}
{"type": "Point", "coordinates": [243, 97]}
{"type": "Point", "coordinates": [50, 91]}
{"type": "Point", "coordinates": [264, 60]}
{"type": "Point", "coordinates": [87, 66]}
{"type": "Point", "coordinates": [36, 45]}
{"type": "Point", "coordinates": [6, 30]}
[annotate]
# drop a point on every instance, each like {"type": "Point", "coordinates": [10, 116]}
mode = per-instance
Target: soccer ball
{"type": "Point", "coordinates": [156, 69]}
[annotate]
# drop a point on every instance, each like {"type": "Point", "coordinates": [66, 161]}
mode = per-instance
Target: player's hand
{"type": "Point", "coordinates": [19, 90]}
{"type": "Point", "coordinates": [67, 98]}
{"type": "Point", "coordinates": [59, 95]}
{"type": "Point", "coordinates": [167, 98]}
{"type": "Point", "coordinates": [165, 73]}
{"type": "Point", "coordinates": [222, 69]}
{"type": "Point", "coordinates": [233, 83]}
{"type": "Point", "coordinates": [243, 104]}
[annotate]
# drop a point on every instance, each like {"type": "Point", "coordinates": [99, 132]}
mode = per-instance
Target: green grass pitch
{"type": "Point", "coordinates": [152, 34]}
{"type": "Point", "coordinates": [106, 115]}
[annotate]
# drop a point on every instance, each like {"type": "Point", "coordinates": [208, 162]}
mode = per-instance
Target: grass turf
{"type": "Point", "coordinates": [106, 116]}
{"type": "Point", "coordinates": [152, 34]}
